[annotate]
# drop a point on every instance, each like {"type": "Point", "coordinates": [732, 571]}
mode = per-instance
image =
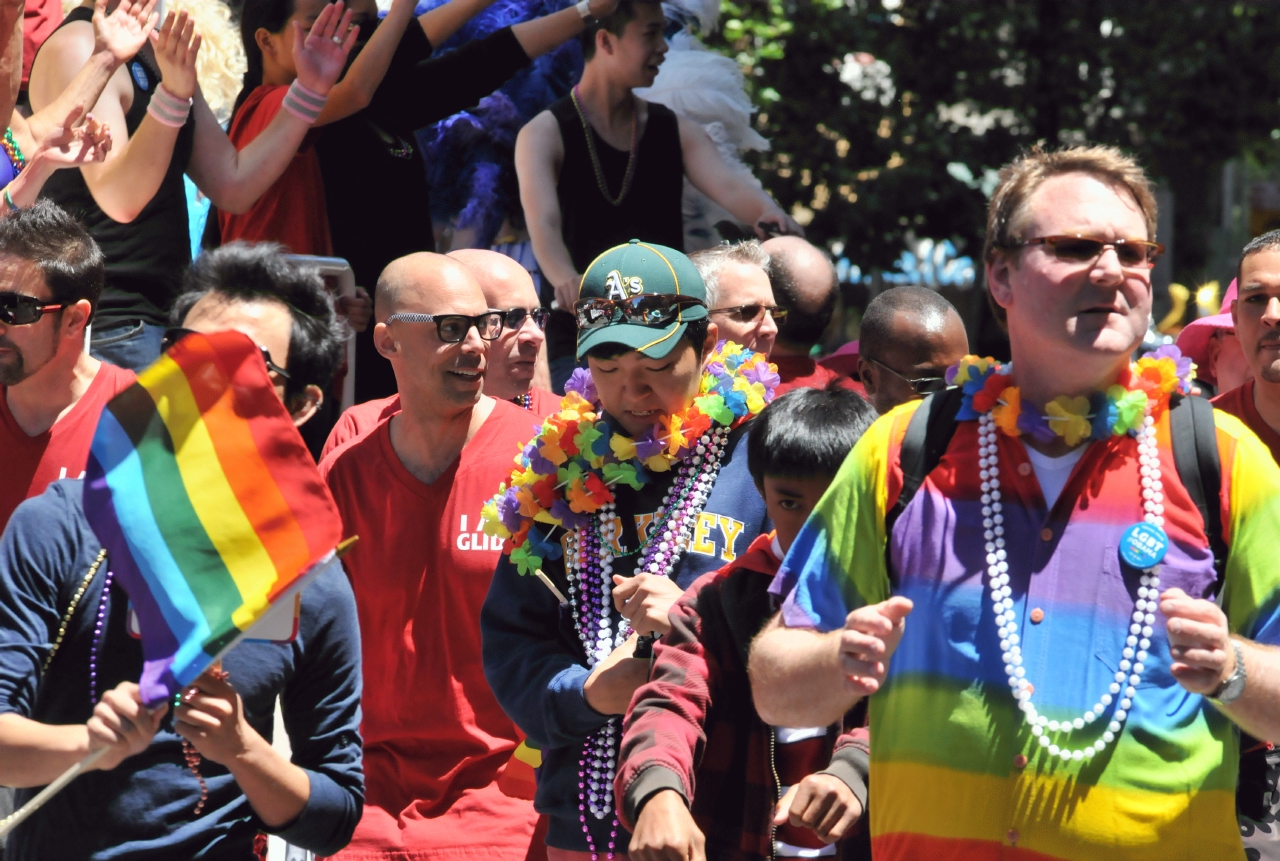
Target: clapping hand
{"type": "Point", "coordinates": [176, 45]}
{"type": "Point", "coordinates": [322, 55]}
{"type": "Point", "coordinates": [126, 29]}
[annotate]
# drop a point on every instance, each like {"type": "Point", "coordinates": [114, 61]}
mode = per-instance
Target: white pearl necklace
{"type": "Point", "coordinates": [1134, 656]}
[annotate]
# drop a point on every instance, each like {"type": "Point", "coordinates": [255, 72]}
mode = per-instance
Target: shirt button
{"type": "Point", "coordinates": [1031, 689]}
{"type": "Point", "coordinates": [1020, 761]}
{"type": "Point", "coordinates": [1046, 534]}
{"type": "Point", "coordinates": [1024, 469]}
{"type": "Point", "coordinates": [1037, 615]}
{"type": "Point", "coordinates": [1012, 836]}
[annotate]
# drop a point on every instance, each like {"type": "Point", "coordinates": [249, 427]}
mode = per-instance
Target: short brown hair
{"type": "Point", "coordinates": [1021, 177]}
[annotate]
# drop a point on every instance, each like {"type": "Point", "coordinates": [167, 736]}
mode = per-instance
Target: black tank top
{"type": "Point", "coordinates": [590, 224]}
{"type": "Point", "coordinates": [651, 209]}
{"type": "Point", "coordinates": [147, 257]}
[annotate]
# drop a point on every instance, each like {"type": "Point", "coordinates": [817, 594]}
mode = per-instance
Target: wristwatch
{"type": "Point", "coordinates": [584, 9]}
{"type": "Point", "coordinates": [1233, 686]}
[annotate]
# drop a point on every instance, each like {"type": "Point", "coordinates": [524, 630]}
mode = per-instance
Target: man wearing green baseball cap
{"type": "Point", "coordinates": [637, 487]}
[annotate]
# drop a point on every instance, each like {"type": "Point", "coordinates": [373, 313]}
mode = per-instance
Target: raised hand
{"type": "Point", "coordinates": [322, 55]}
{"type": "Point", "coordinates": [176, 45]}
{"type": "Point", "coordinates": [69, 146]}
{"type": "Point", "coordinates": [125, 30]}
{"type": "Point", "coordinates": [870, 636]}
{"type": "Point", "coordinates": [122, 724]}
{"type": "Point", "coordinates": [822, 803]}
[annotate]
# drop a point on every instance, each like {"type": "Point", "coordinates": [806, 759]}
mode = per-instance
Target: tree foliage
{"type": "Point", "coordinates": [907, 139]}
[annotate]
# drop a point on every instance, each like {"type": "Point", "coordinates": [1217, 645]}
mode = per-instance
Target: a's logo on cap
{"type": "Point", "coordinates": [619, 287]}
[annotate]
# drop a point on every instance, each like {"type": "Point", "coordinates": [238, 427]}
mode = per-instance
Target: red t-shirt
{"type": "Point", "coordinates": [802, 372]}
{"type": "Point", "coordinates": [436, 740]}
{"type": "Point", "coordinates": [1239, 402]}
{"type": "Point", "coordinates": [292, 211]}
{"type": "Point", "coordinates": [31, 462]}
{"type": "Point", "coordinates": [39, 19]}
{"type": "Point", "coordinates": [362, 418]}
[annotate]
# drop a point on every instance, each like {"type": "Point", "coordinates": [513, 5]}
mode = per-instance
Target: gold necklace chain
{"type": "Point", "coordinates": [595, 158]}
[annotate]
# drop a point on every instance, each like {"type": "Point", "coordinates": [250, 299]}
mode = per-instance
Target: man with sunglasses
{"type": "Point", "coordinates": [739, 294]}
{"type": "Point", "coordinates": [441, 776]}
{"type": "Point", "coordinates": [909, 337]}
{"type": "Point", "coordinates": [512, 357]}
{"type": "Point", "coordinates": [51, 389]}
{"type": "Point", "coordinates": [1064, 679]}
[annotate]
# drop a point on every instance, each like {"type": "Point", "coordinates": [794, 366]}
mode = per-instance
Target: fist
{"type": "Point", "coordinates": [870, 636]}
{"type": "Point", "coordinates": [122, 724]}
{"type": "Point", "coordinates": [1199, 642]}
{"type": "Point", "coordinates": [665, 831]}
{"type": "Point", "coordinates": [822, 803]}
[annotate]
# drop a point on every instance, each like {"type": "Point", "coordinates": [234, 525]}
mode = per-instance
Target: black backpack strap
{"type": "Point", "coordinates": [928, 434]}
{"type": "Point", "coordinates": [1195, 454]}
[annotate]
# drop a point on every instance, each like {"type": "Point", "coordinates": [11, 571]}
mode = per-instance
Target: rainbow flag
{"type": "Point", "coordinates": [207, 502]}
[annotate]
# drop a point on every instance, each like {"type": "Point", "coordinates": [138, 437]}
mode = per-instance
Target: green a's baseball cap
{"type": "Point", "coordinates": [636, 269]}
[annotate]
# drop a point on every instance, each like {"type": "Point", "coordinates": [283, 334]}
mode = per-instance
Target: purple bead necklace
{"type": "Point", "coordinates": [589, 559]}
{"type": "Point", "coordinates": [98, 628]}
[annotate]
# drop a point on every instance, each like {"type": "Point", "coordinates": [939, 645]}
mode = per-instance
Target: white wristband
{"type": "Point", "coordinates": [584, 9]}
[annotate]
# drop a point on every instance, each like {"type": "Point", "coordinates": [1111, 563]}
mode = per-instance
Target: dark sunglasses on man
{"type": "Point", "coordinates": [919, 385]}
{"type": "Point", "coordinates": [19, 310]}
{"type": "Point", "coordinates": [453, 328]}
{"type": "Point", "coordinates": [1132, 253]}
{"type": "Point", "coordinates": [514, 318]}
{"type": "Point", "coordinates": [752, 313]}
{"type": "Point", "coordinates": [177, 333]}
{"type": "Point", "coordinates": [657, 309]}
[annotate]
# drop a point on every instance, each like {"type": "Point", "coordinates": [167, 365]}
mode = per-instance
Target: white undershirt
{"type": "Point", "coordinates": [1053, 472]}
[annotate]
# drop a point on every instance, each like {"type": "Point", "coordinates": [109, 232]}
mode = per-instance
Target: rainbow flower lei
{"type": "Point", "coordinates": [988, 387]}
{"type": "Point", "coordinates": [566, 472]}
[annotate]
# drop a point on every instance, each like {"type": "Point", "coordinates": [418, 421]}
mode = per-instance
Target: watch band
{"type": "Point", "coordinates": [1232, 687]}
{"type": "Point", "coordinates": [584, 9]}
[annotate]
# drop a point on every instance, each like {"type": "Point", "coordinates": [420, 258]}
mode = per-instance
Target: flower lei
{"type": "Point", "coordinates": [565, 473]}
{"type": "Point", "coordinates": [988, 388]}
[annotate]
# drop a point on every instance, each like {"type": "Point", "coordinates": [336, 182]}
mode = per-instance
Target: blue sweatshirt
{"type": "Point", "coordinates": [536, 665]}
{"type": "Point", "coordinates": [143, 809]}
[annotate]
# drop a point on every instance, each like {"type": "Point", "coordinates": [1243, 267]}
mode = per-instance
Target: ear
{"type": "Point", "coordinates": [709, 344]}
{"type": "Point", "coordinates": [604, 42]}
{"type": "Point", "coordinates": [867, 376]}
{"type": "Point", "coordinates": [307, 404]}
{"type": "Point", "coordinates": [74, 319]}
{"type": "Point", "coordinates": [384, 342]}
{"type": "Point", "coordinates": [262, 37]}
{"type": "Point", "coordinates": [999, 271]}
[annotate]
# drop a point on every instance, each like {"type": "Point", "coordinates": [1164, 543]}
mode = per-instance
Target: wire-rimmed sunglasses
{"type": "Point", "coordinates": [919, 385]}
{"type": "Point", "coordinates": [177, 333]}
{"type": "Point", "coordinates": [514, 318]}
{"type": "Point", "coordinates": [17, 309]}
{"type": "Point", "coordinates": [453, 328]}
{"type": "Point", "coordinates": [1132, 253]}
{"type": "Point", "coordinates": [656, 309]}
{"type": "Point", "coordinates": [752, 313]}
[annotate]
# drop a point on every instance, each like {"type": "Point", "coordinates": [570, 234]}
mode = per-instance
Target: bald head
{"type": "Point", "coordinates": [804, 282]}
{"type": "Point", "coordinates": [427, 283]}
{"type": "Point", "coordinates": [506, 284]}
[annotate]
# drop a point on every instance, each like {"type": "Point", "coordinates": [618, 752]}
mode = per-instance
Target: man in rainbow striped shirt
{"type": "Point", "coordinates": [1066, 686]}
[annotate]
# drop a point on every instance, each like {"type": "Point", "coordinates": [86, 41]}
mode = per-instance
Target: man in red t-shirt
{"type": "Point", "coordinates": [1256, 314]}
{"type": "Point", "coordinates": [51, 389]}
{"type": "Point", "coordinates": [507, 288]}
{"type": "Point", "coordinates": [442, 772]}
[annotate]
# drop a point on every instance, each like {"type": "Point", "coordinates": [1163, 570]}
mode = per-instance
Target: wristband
{"type": "Point", "coordinates": [8, 201]}
{"type": "Point", "coordinates": [304, 102]}
{"type": "Point", "coordinates": [168, 109]}
{"type": "Point", "coordinates": [584, 9]}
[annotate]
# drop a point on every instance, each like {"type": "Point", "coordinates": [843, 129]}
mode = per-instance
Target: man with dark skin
{"type": "Point", "coordinates": [910, 336]}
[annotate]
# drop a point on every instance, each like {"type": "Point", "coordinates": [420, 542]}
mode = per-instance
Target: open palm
{"type": "Point", "coordinates": [322, 55]}
{"type": "Point", "coordinates": [125, 30]}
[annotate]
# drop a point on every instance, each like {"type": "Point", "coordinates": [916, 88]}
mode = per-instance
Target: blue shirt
{"type": "Point", "coordinates": [143, 809]}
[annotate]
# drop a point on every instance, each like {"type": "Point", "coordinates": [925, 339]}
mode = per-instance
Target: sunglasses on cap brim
{"type": "Point", "coordinates": [652, 310]}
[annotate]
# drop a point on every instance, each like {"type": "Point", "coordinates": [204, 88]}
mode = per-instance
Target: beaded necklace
{"type": "Point", "coordinates": [595, 158]}
{"type": "Point", "coordinates": [525, 401]}
{"type": "Point", "coordinates": [981, 377]}
{"type": "Point", "coordinates": [13, 151]}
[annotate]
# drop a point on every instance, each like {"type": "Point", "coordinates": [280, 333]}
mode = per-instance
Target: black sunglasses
{"type": "Point", "coordinates": [652, 310]}
{"type": "Point", "coordinates": [177, 333]}
{"type": "Point", "coordinates": [514, 318]}
{"type": "Point", "coordinates": [453, 328]}
{"type": "Point", "coordinates": [920, 385]}
{"type": "Point", "coordinates": [19, 310]}
{"type": "Point", "coordinates": [752, 313]}
{"type": "Point", "coordinates": [1132, 253]}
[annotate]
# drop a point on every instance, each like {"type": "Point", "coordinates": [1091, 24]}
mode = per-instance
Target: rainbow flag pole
{"type": "Point", "coordinates": [209, 506]}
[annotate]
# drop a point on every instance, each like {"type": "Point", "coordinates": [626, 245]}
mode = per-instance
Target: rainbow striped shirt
{"type": "Point", "coordinates": [955, 771]}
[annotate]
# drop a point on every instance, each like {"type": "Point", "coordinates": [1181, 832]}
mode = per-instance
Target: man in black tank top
{"type": "Point", "coordinates": [601, 167]}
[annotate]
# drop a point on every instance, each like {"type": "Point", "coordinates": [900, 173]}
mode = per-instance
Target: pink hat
{"type": "Point", "coordinates": [1193, 340]}
{"type": "Point", "coordinates": [843, 361]}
